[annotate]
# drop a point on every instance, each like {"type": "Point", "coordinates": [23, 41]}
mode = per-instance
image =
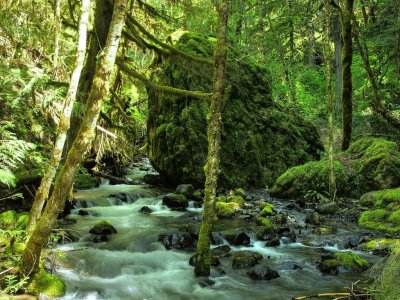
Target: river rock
{"type": "Point", "coordinates": [145, 210]}
{"type": "Point", "coordinates": [180, 240]}
{"type": "Point", "coordinates": [103, 228]}
{"type": "Point", "coordinates": [152, 179]}
{"type": "Point", "coordinates": [253, 122]}
{"type": "Point", "coordinates": [262, 273]}
{"type": "Point", "coordinates": [221, 250]}
{"type": "Point", "coordinates": [245, 259]}
{"type": "Point", "coordinates": [315, 219]}
{"type": "Point", "coordinates": [328, 209]}
{"type": "Point", "coordinates": [237, 238]}
{"type": "Point", "coordinates": [369, 164]}
{"type": "Point", "coordinates": [176, 201]}
{"type": "Point", "coordinates": [185, 189]}
{"type": "Point", "coordinates": [82, 212]}
{"type": "Point", "coordinates": [274, 242]}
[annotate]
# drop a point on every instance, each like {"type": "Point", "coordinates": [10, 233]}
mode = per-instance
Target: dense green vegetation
{"type": "Point", "coordinates": [234, 101]}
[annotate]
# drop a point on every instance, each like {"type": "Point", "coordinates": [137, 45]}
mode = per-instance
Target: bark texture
{"type": "Point", "coordinates": [203, 257]}
{"type": "Point", "coordinates": [347, 58]}
{"type": "Point", "coordinates": [56, 155]}
{"type": "Point", "coordinates": [65, 178]}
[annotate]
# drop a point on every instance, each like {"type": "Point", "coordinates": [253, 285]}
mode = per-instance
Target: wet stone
{"type": "Point", "coordinates": [145, 210]}
{"type": "Point", "coordinates": [262, 273]}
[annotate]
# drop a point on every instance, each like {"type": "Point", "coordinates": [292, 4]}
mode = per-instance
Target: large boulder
{"type": "Point", "coordinates": [369, 164]}
{"type": "Point", "coordinates": [259, 141]}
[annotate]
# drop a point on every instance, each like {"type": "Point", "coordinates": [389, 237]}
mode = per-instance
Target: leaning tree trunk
{"type": "Point", "coordinates": [347, 57]}
{"type": "Point", "coordinates": [102, 19]}
{"type": "Point", "coordinates": [203, 257]}
{"type": "Point", "coordinates": [44, 188]}
{"type": "Point", "coordinates": [82, 143]}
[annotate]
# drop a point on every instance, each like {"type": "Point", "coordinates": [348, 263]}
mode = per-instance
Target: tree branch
{"type": "Point", "coordinates": [171, 49]}
{"type": "Point", "coordinates": [162, 88]}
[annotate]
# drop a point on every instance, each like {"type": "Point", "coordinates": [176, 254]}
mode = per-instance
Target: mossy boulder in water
{"type": "Point", "coordinates": [259, 141]}
{"type": "Point", "coordinates": [47, 284]}
{"type": "Point", "coordinates": [369, 164]}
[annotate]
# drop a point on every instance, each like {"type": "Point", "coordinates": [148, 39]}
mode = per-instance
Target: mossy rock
{"type": "Point", "coordinates": [85, 181]}
{"type": "Point", "coordinates": [378, 244]}
{"type": "Point", "coordinates": [240, 192]}
{"type": "Point", "coordinates": [268, 210]}
{"type": "Point", "coordinates": [266, 223]}
{"type": "Point", "coordinates": [381, 199]}
{"type": "Point", "coordinates": [369, 164]}
{"type": "Point", "coordinates": [237, 199]}
{"type": "Point", "coordinates": [259, 139]}
{"type": "Point", "coordinates": [226, 209]}
{"type": "Point", "coordinates": [351, 261]}
{"type": "Point", "coordinates": [103, 228]}
{"type": "Point", "coordinates": [176, 201]}
{"type": "Point", "coordinates": [50, 285]}
{"type": "Point", "coordinates": [380, 219]}
{"type": "Point", "coordinates": [329, 266]}
{"type": "Point", "coordinates": [8, 220]}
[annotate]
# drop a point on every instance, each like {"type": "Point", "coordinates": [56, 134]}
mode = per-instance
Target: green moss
{"type": "Point", "coordinates": [8, 220]}
{"type": "Point", "coordinates": [240, 192]}
{"type": "Point", "coordinates": [266, 223]}
{"type": "Point", "coordinates": [16, 248]}
{"type": "Point", "coordinates": [267, 210]}
{"type": "Point", "coordinates": [381, 244]}
{"type": "Point", "coordinates": [259, 140]}
{"type": "Point", "coordinates": [22, 221]}
{"type": "Point", "coordinates": [352, 261]}
{"type": "Point", "coordinates": [380, 219]}
{"type": "Point", "coordinates": [329, 266]}
{"type": "Point", "coordinates": [369, 164]}
{"type": "Point", "coordinates": [380, 199]}
{"type": "Point", "coordinates": [47, 284]}
{"type": "Point", "coordinates": [177, 197]}
{"type": "Point", "coordinates": [85, 181]}
{"type": "Point", "coordinates": [103, 228]}
{"type": "Point", "coordinates": [226, 209]}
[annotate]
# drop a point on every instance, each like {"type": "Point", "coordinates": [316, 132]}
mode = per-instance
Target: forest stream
{"type": "Point", "coordinates": [133, 264]}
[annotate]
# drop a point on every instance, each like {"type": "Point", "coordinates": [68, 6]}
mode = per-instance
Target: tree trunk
{"type": "Point", "coordinates": [347, 58]}
{"type": "Point", "coordinates": [102, 19]}
{"type": "Point", "coordinates": [81, 145]}
{"type": "Point", "coordinates": [328, 62]}
{"type": "Point", "coordinates": [57, 33]}
{"type": "Point", "coordinates": [337, 40]}
{"type": "Point", "coordinates": [44, 188]}
{"type": "Point", "coordinates": [203, 257]}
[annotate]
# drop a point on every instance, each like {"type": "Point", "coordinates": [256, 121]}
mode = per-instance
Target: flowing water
{"type": "Point", "coordinates": [133, 265]}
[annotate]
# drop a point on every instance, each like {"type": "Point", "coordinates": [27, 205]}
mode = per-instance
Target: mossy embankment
{"type": "Point", "coordinates": [369, 164]}
{"type": "Point", "coordinates": [259, 139]}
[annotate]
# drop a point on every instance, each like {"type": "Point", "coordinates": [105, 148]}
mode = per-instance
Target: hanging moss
{"type": "Point", "coordinates": [369, 164]}
{"type": "Point", "coordinates": [259, 139]}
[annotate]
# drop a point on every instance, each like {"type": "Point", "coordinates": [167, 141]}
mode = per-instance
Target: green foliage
{"type": "Point", "coordinates": [12, 154]}
{"type": "Point", "coordinates": [14, 284]}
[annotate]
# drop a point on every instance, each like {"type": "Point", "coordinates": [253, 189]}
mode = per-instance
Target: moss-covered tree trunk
{"type": "Point", "coordinates": [102, 19]}
{"type": "Point", "coordinates": [347, 59]}
{"type": "Point", "coordinates": [337, 40]}
{"type": "Point", "coordinates": [203, 257]}
{"type": "Point", "coordinates": [57, 33]}
{"type": "Point", "coordinates": [56, 155]}
{"type": "Point", "coordinates": [329, 90]}
{"type": "Point", "coordinates": [81, 145]}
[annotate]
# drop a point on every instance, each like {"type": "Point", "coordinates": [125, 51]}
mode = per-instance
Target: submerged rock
{"type": "Point", "coordinates": [262, 273]}
{"type": "Point", "coordinates": [103, 228]}
{"type": "Point", "coordinates": [252, 122]}
{"type": "Point", "coordinates": [245, 259]}
{"type": "Point", "coordinates": [145, 210]}
{"type": "Point", "coordinates": [369, 164]}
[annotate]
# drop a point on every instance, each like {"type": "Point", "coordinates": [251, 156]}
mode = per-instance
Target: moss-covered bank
{"type": "Point", "coordinates": [259, 139]}
{"type": "Point", "coordinates": [369, 164]}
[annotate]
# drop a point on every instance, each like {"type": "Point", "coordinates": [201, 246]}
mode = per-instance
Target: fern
{"type": "Point", "coordinates": [12, 153]}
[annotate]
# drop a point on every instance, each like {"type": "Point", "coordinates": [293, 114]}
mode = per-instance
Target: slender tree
{"type": "Point", "coordinates": [65, 178]}
{"type": "Point", "coordinates": [329, 90]}
{"type": "Point", "coordinates": [57, 33]}
{"type": "Point", "coordinates": [346, 12]}
{"type": "Point", "coordinates": [203, 257]}
{"type": "Point", "coordinates": [64, 124]}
